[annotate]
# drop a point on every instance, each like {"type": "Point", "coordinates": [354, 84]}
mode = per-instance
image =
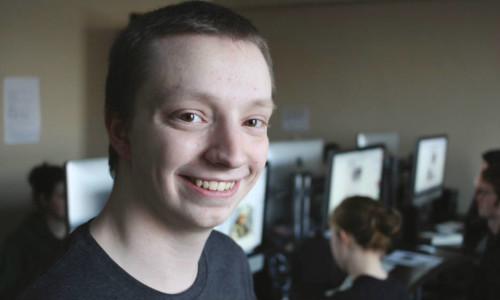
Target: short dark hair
{"type": "Point", "coordinates": [44, 178]}
{"type": "Point", "coordinates": [130, 54]}
{"type": "Point", "coordinates": [369, 221]}
{"type": "Point", "coordinates": [492, 157]}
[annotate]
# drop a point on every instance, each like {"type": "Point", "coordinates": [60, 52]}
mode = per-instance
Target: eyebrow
{"type": "Point", "coordinates": [207, 98]}
{"type": "Point", "coordinates": [265, 103]}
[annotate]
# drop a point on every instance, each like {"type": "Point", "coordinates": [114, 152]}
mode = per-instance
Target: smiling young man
{"type": "Point", "coordinates": [188, 100]}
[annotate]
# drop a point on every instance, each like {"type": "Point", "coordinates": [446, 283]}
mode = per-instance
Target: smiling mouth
{"type": "Point", "coordinates": [213, 185]}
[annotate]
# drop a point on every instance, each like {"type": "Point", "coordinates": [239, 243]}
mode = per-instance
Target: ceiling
{"type": "Point", "coordinates": [267, 3]}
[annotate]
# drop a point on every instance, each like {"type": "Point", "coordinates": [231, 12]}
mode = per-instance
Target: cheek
{"type": "Point", "coordinates": [491, 202]}
{"type": "Point", "coordinates": [177, 148]}
{"type": "Point", "coordinates": [337, 253]}
{"type": "Point", "coordinates": [58, 205]}
{"type": "Point", "coordinates": [258, 150]}
{"type": "Point", "coordinates": [178, 153]}
{"type": "Point", "coordinates": [334, 243]}
{"type": "Point", "coordinates": [164, 148]}
{"type": "Point", "coordinates": [486, 205]}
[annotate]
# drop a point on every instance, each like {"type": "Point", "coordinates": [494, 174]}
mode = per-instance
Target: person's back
{"type": "Point", "coordinates": [366, 287]}
{"type": "Point", "coordinates": [361, 230]}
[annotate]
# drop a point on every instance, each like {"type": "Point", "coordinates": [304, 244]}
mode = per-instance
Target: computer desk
{"type": "Point", "coordinates": [413, 278]}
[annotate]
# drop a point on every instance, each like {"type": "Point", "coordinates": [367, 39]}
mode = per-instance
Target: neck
{"type": "Point", "coordinates": [57, 226]}
{"type": "Point", "coordinates": [365, 262]}
{"type": "Point", "coordinates": [153, 253]}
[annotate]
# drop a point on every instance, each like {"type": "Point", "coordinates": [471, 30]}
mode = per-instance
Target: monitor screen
{"type": "Point", "coordinates": [246, 223]}
{"type": "Point", "coordinates": [88, 184]}
{"type": "Point", "coordinates": [389, 139]}
{"type": "Point", "coordinates": [355, 173]}
{"type": "Point", "coordinates": [430, 158]}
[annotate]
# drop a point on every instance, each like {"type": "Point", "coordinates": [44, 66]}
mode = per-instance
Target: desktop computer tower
{"type": "Point", "coordinates": [302, 194]}
{"type": "Point", "coordinates": [274, 282]}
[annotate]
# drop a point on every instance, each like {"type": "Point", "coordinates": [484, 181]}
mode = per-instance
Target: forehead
{"type": "Point", "coordinates": [213, 65]}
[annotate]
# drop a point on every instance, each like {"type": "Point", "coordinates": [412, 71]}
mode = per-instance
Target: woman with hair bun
{"type": "Point", "coordinates": [361, 232]}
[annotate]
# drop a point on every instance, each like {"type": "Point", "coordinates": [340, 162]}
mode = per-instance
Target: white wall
{"type": "Point", "coordinates": [415, 67]}
{"type": "Point", "coordinates": [64, 44]}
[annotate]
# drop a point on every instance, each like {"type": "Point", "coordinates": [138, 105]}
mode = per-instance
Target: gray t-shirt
{"type": "Point", "coordinates": [85, 271]}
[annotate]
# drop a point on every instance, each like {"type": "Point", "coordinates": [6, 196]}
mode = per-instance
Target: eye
{"type": "Point", "coordinates": [190, 117]}
{"type": "Point", "coordinates": [254, 123]}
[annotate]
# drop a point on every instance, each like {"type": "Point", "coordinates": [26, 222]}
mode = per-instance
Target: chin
{"type": "Point", "coordinates": [214, 217]}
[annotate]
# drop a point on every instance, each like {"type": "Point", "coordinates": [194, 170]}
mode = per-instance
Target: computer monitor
{"type": "Point", "coordinates": [428, 169]}
{"type": "Point", "coordinates": [389, 139]}
{"type": "Point", "coordinates": [246, 224]}
{"type": "Point", "coordinates": [287, 158]}
{"type": "Point", "coordinates": [391, 165]}
{"type": "Point", "coordinates": [356, 172]}
{"type": "Point", "coordinates": [88, 185]}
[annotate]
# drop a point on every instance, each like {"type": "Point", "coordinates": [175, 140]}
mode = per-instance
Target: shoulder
{"type": "Point", "coordinates": [49, 279]}
{"type": "Point", "coordinates": [228, 271]}
{"type": "Point", "coordinates": [220, 242]}
{"type": "Point", "coordinates": [222, 249]}
{"type": "Point", "coordinates": [218, 237]}
{"type": "Point", "coordinates": [28, 230]}
{"type": "Point", "coordinates": [390, 288]}
{"type": "Point", "coordinates": [374, 284]}
{"type": "Point", "coordinates": [367, 288]}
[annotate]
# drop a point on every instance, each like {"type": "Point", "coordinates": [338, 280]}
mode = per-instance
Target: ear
{"type": "Point", "coordinates": [118, 135]}
{"type": "Point", "coordinates": [344, 237]}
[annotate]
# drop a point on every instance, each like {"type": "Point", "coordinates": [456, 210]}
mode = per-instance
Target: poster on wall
{"type": "Point", "coordinates": [21, 111]}
{"type": "Point", "coordinates": [295, 118]}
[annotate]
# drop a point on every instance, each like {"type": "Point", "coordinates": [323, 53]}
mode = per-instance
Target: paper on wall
{"type": "Point", "coordinates": [21, 110]}
{"type": "Point", "coordinates": [295, 118]}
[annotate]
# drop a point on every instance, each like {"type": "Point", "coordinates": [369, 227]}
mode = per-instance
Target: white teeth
{"type": "Point", "coordinates": [214, 185]}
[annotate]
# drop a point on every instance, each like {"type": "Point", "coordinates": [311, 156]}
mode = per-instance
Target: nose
{"type": "Point", "coordinates": [227, 146]}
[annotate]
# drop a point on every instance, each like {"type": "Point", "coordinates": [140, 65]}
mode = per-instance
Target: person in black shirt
{"type": "Point", "coordinates": [486, 278]}
{"type": "Point", "coordinates": [189, 96]}
{"type": "Point", "coordinates": [361, 231]}
{"type": "Point", "coordinates": [476, 227]}
{"type": "Point", "coordinates": [42, 232]}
